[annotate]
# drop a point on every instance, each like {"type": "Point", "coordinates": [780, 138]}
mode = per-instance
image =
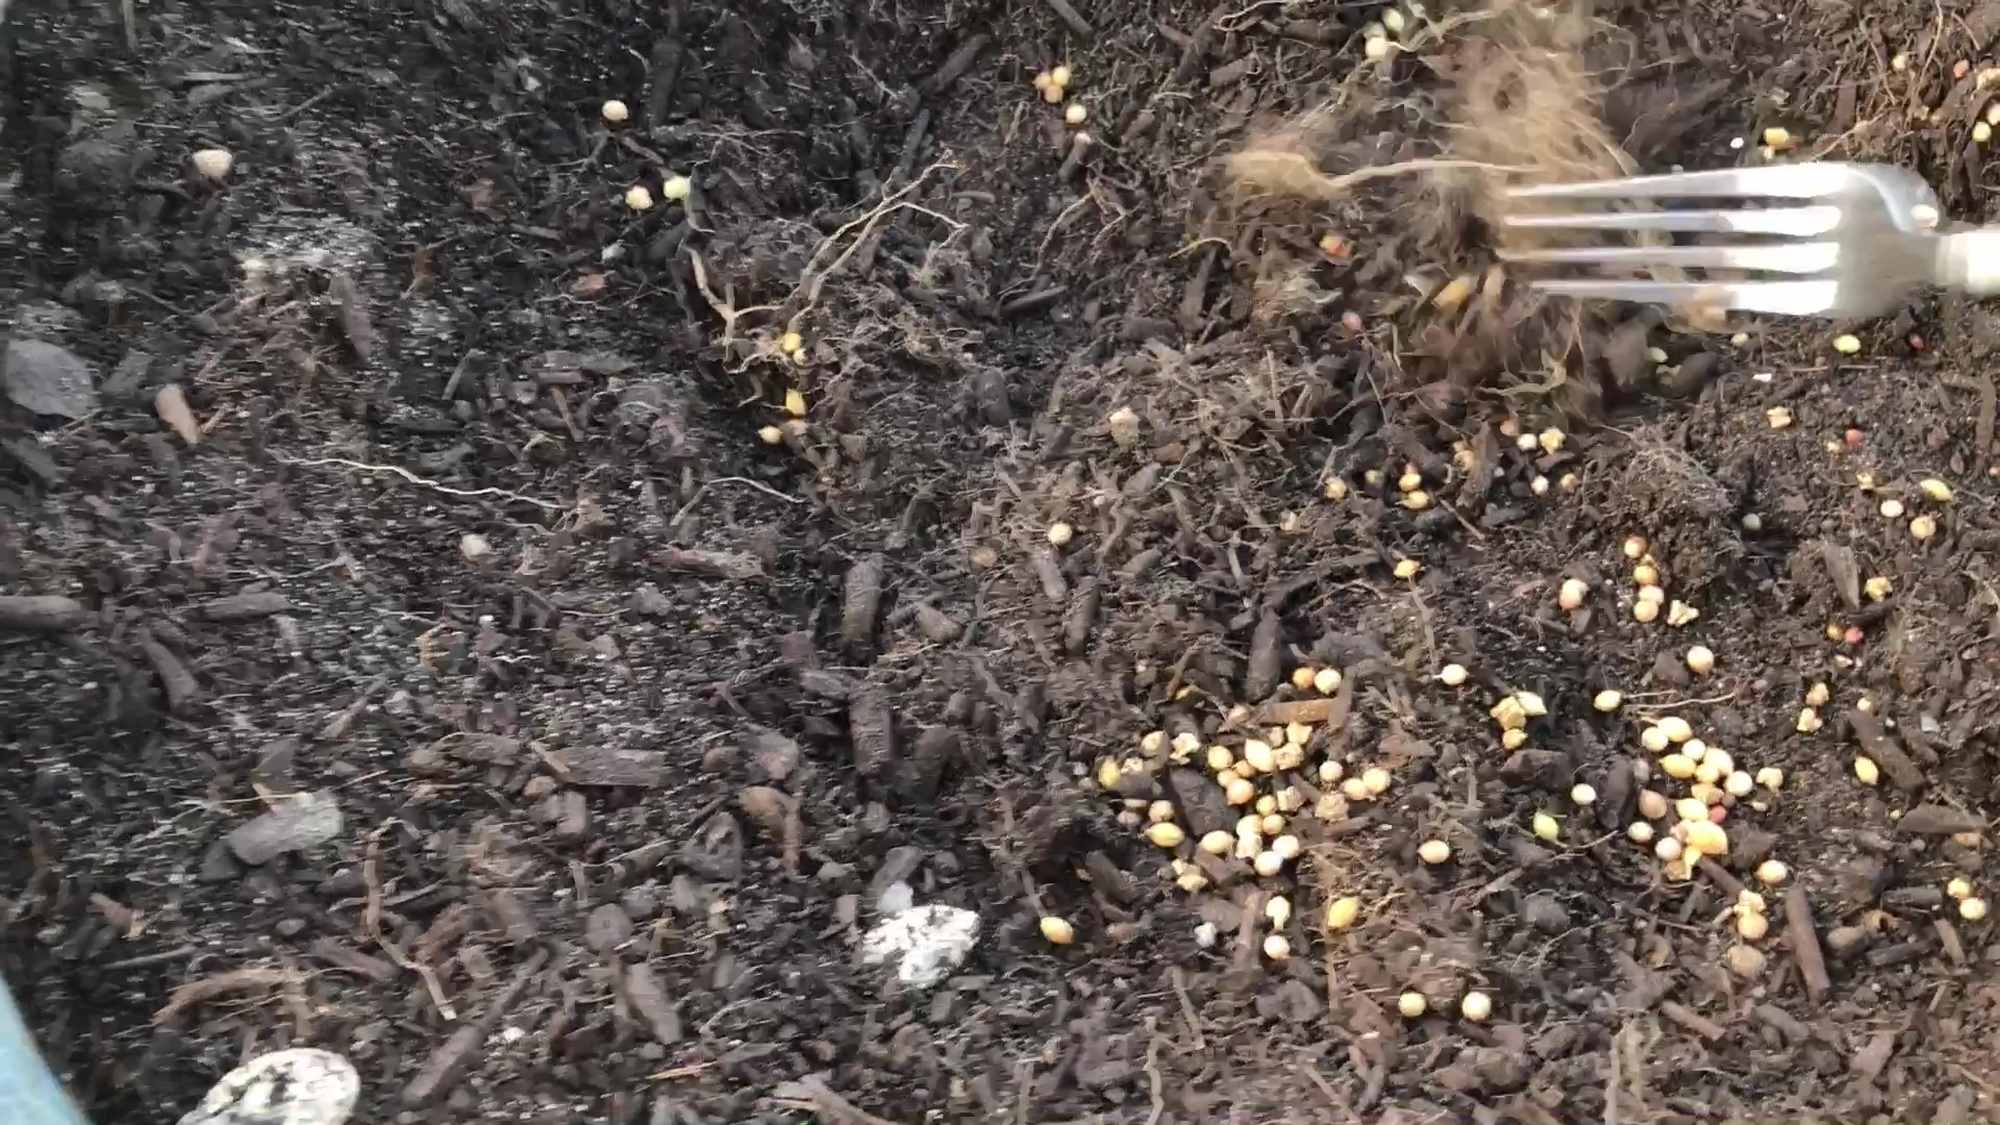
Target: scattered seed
{"type": "Point", "coordinates": [213, 163]}
{"type": "Point", "coordinates": [771, 435]}
{"type": "Point", "coordinates": [1708, 837]}
{"type": "Point", "coordinates": [1652, 804]}
{"type": "Point", "coordinates": [1866, 771]}
{"type": "Point", "coordinates": [1700, 660]}
{"type": "Point", "coordinates": [1922, 528]}
{"type": "Point", "coordinates": [1668, 849]}
{"type": "Point", "coordinates": [1060, 534]}
{"type": "Point", "coordinates": [1434, 852]}
{"type": "Point", "coordinates": [1752, 927]}
{"type": "Point", "coordinates": [1646, 610]}
{"type": "Point", "coordinates": [1551, 440]}
{"type": "Point", "coordinates": [1958, 888]}
{"type": "Point", "coordinates": [1546, 826]}
{"type": "Point", "coordinates": [1406, 569]}
{"type": "Point", "coordinates": [1376, 780]}
{"type": "Point", "coordinates": [1277, 948]}
{"type": "Point", "coordinates": [1771, 872]}
{"type": "Point", "coordinates": [675, 189]}
{"type": "Point", "coordinates": [1771, 777]}
{"type": "Point", "coordinates": [1058, 931]}
{"type": "Point", "coordinates": [1476, 1006]}
{"type": "Point", "coordinates": [1205, 935]}
{"type": "Point", "coordinates": [1972, 909]}
{"type": "Point", "coordinates": [1326, 681]}
{"type": "Point", "coordinates": [1640, 832]}
{"type": "Point", "coordinates": [1453, 675]}
{"type": "Point", "coordinates": [1847, 344]}
{"type": "Point", "coordinates": [1268, 863]}
{"type": "Point", "coordinates": [1376, 48]}
{"type": "Point", "coordinates": [638, 198]}
{"type": "Point", "coordinates": [615, 112]}
{"type": "Point", "coordinates": [1342, 912]}
{"type": "Point", "coordinates": [1166, 834]}
{"type": "Point", "coordinates": [1279, 911]}
{"type": "Point", "coordinates": [1572, 594]}
{"type": "Point", "coordinates": [1779, 417]}
{"type": "Point", "coordinates": [1412, 1005]}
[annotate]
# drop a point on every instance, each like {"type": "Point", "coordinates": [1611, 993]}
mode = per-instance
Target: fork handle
{"type": "Point", "coordinates": [1969, 261]}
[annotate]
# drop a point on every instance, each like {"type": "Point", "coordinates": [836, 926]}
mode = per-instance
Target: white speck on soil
{"type": "Point", "coordinates": [927, 941]}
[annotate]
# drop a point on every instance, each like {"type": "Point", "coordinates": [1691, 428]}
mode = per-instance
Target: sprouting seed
{"type": "Point", "coordinates": [1279, 911]}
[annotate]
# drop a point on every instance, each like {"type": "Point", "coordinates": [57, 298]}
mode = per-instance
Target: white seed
{"type": "Point", "coordinates": [1981, 132]}
{"type": "Point", "coordinates": [615, 112]}
{"type": "Point", "coordinates": [1330, 771]}
{"type": "Point", "coordinates": [1640, 832]}
{"type": "Point", "coordinates": [1972, 909]}
{"type": "Point", "coordinates": [1847, 344]}
{"type": "Point", "coordinates": [1866, 772]}
{"type": "Point", "coordinates": [1819, 695]}
{"type": "Point", "coordinates": [1259, 756]}
{"type": "Point", "coordinates": [1354, 789]}
{"type": "Point", "coordinates": [1808, 721]}
{"type": "Point", "coordinates": [1738, 784]}
{"type": "Point", "coordinates": [1476, 1006]}
{"type": "Point", "coordinates": [1160, 812]}
{"type": "Point", "coordinates": [1572, 594]}
{"type": "Point", "coordinates": [1668, 849]}
{"type": "Point", "coordinates": [1922, 528]}
{"type": "Point", "coordinates": [1377, 48]}
{"type": "Point", "coordinates": [1695, 749]}
{"type": "Point", "coordinates": [638, 198]}
{"type": "Point", "coordinates": [213, 163]}
{"type": "Point", "coordinates": [1217, 842]}
{"type": "Point", "coordinates": [1060, 534]}
{"type": "Point", "coordinates": [1434, 851]}
{"type": "Point", "coordinates": [1771, 777]}
{"type": "Point", "coordinates": [1298, 734]}
{"type": "Point", "coordinates": [1277, 948]}
{"type": "Point", "coordinates": [1376, 780]}
{"type": "Point", "coordinates": [1290, 756]}
{"type": "Point", "coordinates": [1410, 481]}
{"type": "Point", "coordinates": [1452, 675]}
{"type": "Point", "coordinates": [1191, 880]}
{"type": "Point", "coordinates": [1219, 758]}
{"type": "Point", "coordinates": [1268, 863]}
{"type": "Point", "coordinates": [1326, 681]}
{"type": "Point", "coordinates": [1778, 417]}
{"type": "Point", "coordinates": [1878, 588]}
{"type": "Point", "coordinates": [1058, 931]}
{"type": "Point", "coordinates": [1677, 728]}
{"type": "Point", "coordinates": [1651, 592]}
{"type": "Point", "coordinates": [1532, 704]}
{"type": "Point", "coordinates": [771, 435]}
{"type": "Point", "coordinates": [1635, 547]}
{"type": "Point", "coordinates": [1287, 846]}
{"type": "Point", "coordinates": [1546, 827]}
{"type": "Point", "coordinates": [1708, 773]}
{"type": "Point", "coordinates": [1607, 700]}
{"type": "Point", "coordinates": [1075, 114]}
{"type": "Point", "coordinates": [1771, 872]}
{"type": "Point", "coordinates": [1239, 791]}
{"type": "Point", "coordinates": [1958, 888]}
{"type": "Point", "coordinates": [1279, 911]}
{"type": "Point", "coordinates": [1393, 21]}
{"type": "Point", "coordinates": [675, 188]}
{"type": "Point", "coordinates": [1652, 804]}
{"type": "Point", "coordinates": [1266, 805]}
{"type": "Point", "coordinates": [1655, 738]}
{"type": "Point", "coordinates": [1700, 660]}
{"type": "Point", "coordinates": [1583, 794]}
{"type": "Point", "coordinates": [1061, 74]}
{"type": "Point", "coordinates": [1166, 834]}
{"type": "Point", "coordinates": [1892, 508]}
{"type": "Point", "coordinates": [1412, 1005]}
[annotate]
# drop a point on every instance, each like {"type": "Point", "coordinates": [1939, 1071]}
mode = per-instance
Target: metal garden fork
{"type": "Point", "coordinates": [1845, 240]}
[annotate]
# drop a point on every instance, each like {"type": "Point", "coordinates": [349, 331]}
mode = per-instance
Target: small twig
{"type": "Point", "coordinates": [371, 875]}
{"type": "Point", "coordinates": [1154, 1083]}
{"type": "Point", "coordinates": [413, 478]}
{"type": "Point", "coordinates": [758, 485]}
{"type": "Point", "coordinates": [1179, 981]}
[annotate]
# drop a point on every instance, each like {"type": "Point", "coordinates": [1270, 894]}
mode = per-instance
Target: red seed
{"type": "Point", "coordinates": [1959, 68]}
{"type": "Point", "coordinates": [1916, 342]}
{"type": "Point", "coordinates": [1853, 438]}
{"type": "Point", "coordinates": [1717, 814]}
{"type": "Point", "coordinates": [1853, 636]}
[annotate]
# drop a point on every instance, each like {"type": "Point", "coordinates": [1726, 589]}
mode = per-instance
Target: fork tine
{"type": "Point", "coordinates": [1799, 181]}
{"type": "Point", "coordinates": [1793, 257]}
{"type": "Point", "coordinates": [1789, 298]}
{"type": "Point", "coordinates": [1804, 222]}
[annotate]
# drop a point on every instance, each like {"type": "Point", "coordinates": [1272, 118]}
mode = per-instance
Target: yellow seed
{"type": "Point", "coordinates": [1259, 755]}
{"type": "Point", "coordinates": [1412, 1005]}
{"type": "Point", "coordinates": [1752, 927]}
{"type": "Point", "coordinates": [1922, 528]}
{"type": "Point", "coordinates": [1476, 1006]}
{"type": "Point", "coordinates": [1878, 588]}
{"type": "Point", "coordinates": [1060, 534]}
{"type": "Point", "coordinates": [771, 435]}
{"type": "Point", "coordinates": [1513, 739]}
{"type": "Point", "coordinates": [638, 198]}
{"type": "Point", "coordinates": [1676, 728]}
{"type": "Point", "coordinates": [1771, 872]}
{"type": "Point", "coordinates": [1410, 482]}
{"type": "Point", "coordinates": [1407, 568]}
{"type": "Point", "coordinates": [1239, 791]}
{"type": "Point", "coordinates": [1847, 344]}
{"type": "Point", "coordinates": [1434, 851]}
{"type": "Point", "coordinates": [1707, 837]}
{"type": "Point", "coordinates": [1302, 677]}
{"type": "Point", "coordinates": [1778, 417]}
{"type": "Point", "coordinates": [1058, 931]}
{"type": "Point", "coordinates": [1972, 909]}
{"type": "Point", "coordinates": [1217, 842]}
{"type": "Point", "coordinates": [1635, 547]}
{"type": "Point", "coordinates": [1866, 771]}
{"type": "Point", "coordinates": [1691, 809]}
{"type": "Point", "coordinates": [1572, 593]}
{"type": "Point", "coordinates": [1935, 490]}
{"type": "Point", "coordinates": [1376, 780]}
{"type": "Point", "coordinates": [1342, 912]}
{"type": "Point", "coordinates": [1061, 74]}
{"type": "Point", "coordinates": [1680, 767]}
{"type": "Point", "coordinates": [1958, 888]}
{"type": "Point", "coordinates": [1645, 574]}
{"type": "Point", "coordinates": [1546, 826]}
{"type": "Point", "coordinates": [1607, 700]}
{"type": "Point", "coordinates": [1818, 695]}
{"type": "Point", "coordinates": [1166, 834]}
{"type": "Point", "coordinates": [1771, 777]}
{"type": "Point", "coordinates": [1778, 137]}
{"type": "Point", "coordinates": [1654, 739]}
{"type": "Point", "coordinates": [1417, 501]}
{"type": "Point", "coordinates": [1644, 611]}
{"type": "Point", "coordinates": [675, 188]}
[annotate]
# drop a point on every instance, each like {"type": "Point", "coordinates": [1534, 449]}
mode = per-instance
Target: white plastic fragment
{"type": "Point", "coordinates": [927, 942]}
{"type": "Point", "coordinates": [297, 1086]}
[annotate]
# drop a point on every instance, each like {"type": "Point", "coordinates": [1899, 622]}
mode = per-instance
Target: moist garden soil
{"type": "Point", "coordinates": [632, 717]}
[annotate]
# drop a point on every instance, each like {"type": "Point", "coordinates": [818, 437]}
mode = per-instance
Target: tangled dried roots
{"type": "Point", "coordinates": [1518, 101]}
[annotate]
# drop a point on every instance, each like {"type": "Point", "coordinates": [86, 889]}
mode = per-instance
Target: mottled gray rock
{"type": "Point", "coordinates": [49, 379]}
{"type": "Point", "coordinates": [305, 821]}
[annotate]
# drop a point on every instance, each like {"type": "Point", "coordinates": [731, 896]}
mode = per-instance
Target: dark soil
{"type": "Point", "coordinates": [631, 717]}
